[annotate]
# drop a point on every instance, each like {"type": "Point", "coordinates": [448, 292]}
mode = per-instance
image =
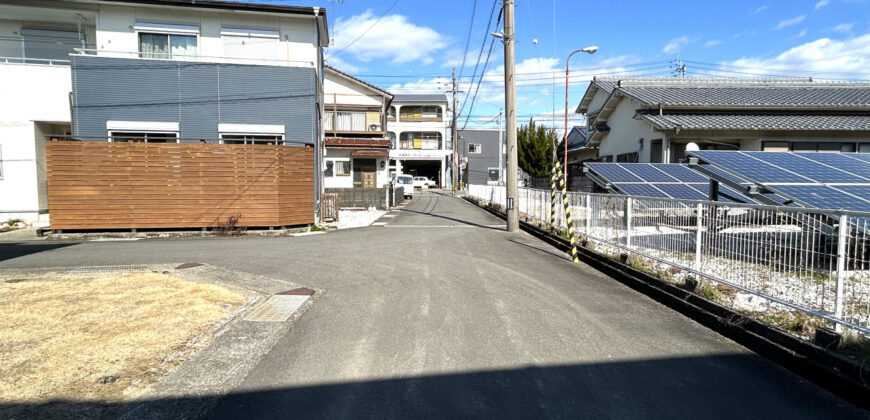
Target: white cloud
{"type": "Point", "coordinates": [676, 44]}
{"type": "Point", "coordinates": [342, 65]}
{"type": "Point", "coordinates": [821, 4]}
{"type": "Point", "coordinates": [760, 9]}
{"type": "Point", "coordinates": [789, 22]}
{"type": "Point", "coordinates": [802, 33]}
{"type": "Point", "coordinates": [394, 38]}
{"type": "Point", "coordinates": [843, 27]}
{"type": "Point", "coordinates": [821, 55]}
{"type": "Point", "coordinates": [712, 43]}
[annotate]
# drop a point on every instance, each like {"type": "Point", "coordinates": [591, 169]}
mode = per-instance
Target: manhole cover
{"type": "Point", "coordinates": [107, 268]}
{"type": "Point", "coordinates": [277, 308]}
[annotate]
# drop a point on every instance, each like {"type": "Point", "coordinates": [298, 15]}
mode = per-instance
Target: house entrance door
{"type": "Point", "coordinates": [364, 173]}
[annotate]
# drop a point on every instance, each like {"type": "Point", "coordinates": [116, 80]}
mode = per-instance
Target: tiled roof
{"type": "Point", "coordinates": [759, 122]}
{"type": "Point", "coordinates": [440, 97]}
{"type": "Point", "coordinates": [358, 80]}
{"type": "Point", "coordinates": [358, 142]}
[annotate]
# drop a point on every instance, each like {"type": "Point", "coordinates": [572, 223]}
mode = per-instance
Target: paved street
{"type": "Point", "coordinates": [441, 313]}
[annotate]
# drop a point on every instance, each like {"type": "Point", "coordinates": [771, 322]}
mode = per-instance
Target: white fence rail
{"type": "Point", "coordinates": [811, 260]}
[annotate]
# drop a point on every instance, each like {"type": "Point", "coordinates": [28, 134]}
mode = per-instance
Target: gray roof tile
{"type": "Point", "coordinates": [759, 122]}
{"type": "Point", "coordinates": [439, 97]}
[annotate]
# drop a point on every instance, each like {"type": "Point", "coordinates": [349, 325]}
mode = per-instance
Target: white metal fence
{"type": "Point", "coordinates": [811, 260]}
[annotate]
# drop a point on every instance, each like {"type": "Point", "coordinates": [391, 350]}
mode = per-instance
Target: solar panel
{"type": "Point", "coordinates": [641, 190]}
{"type": "Point", "coordinates": [684, 191]}
{"type": "Point", "coordinates": [725, 175]}
{"type": "Point", "coordinates": [681, 172]}
{"type": "Point", "coordinates": [807, 168]}
{"type": "Point", "coordinates": [825, 197]}
{"type": "Point", "coordinates": [846, 162]}
{"type": "Point", "coordinates": [648, 173]}
{"type": "Point", "coordinates": [613, 172]}
{"type": "Point", "coordinates": [749, 167]}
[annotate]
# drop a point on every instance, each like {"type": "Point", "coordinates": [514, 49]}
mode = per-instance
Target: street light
{"type": "Point", "coordinates": [587, 50]}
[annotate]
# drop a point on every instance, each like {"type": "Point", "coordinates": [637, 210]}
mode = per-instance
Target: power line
{"type": "Point", "coordinates": [468, 38]}
{"type": "Point", "coordinates": [366, 31]}
{"type": "Point", "coordinates": [474, 98]}
{"type": "Point", "coordinates": [480, 54]}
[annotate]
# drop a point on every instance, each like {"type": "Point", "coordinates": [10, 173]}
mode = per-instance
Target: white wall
{"type": "Point", "coordinates": [625, 131]}
{"type": "Point", "coordinates": [297, 35]}
{"type": "Point", "coordinates": [341, 91]}
{"type": "Point", "coordinates": [31, 93]}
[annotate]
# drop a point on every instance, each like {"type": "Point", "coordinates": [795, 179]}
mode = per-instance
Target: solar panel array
{"type": "Point", "coordinates": [822, 180]}
{"type": "Point", "coordinates": [662, 180]}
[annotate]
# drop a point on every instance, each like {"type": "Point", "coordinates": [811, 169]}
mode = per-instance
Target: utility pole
{"type": "Point", "coordinates": [454, 135]}
{"type": "Point", "coordinates": [501, 148]}
{"type": "Point", "coordinates": [510, 92]}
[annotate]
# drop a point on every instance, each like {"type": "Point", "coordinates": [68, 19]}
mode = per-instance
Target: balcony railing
{"type": "Point", "coordinates": [42, 61]}
{"type": "Point", "coordinates": [194, 58]}
{"type": "Point", "coordinates": [420, 144]}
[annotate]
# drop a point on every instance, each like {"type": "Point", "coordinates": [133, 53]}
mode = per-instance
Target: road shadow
{"type": "Point", "coordinates": [10, 250]}
{"type": "Point", "coordinates": [452, 219]}
{"type": "Point", "coordinates": [712, 387]}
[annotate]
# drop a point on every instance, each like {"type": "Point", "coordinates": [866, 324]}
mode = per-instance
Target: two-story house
{"type": "Point", "coordinates": [357, 149]}
{"type": "Point", "coordinates": [166, 71]}
{"type": "Point", "coordinates": [656, 119]}
{"type": "Point", "coordinates": [419, 129]}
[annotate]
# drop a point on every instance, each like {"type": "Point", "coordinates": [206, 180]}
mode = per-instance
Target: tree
{"type": "Point", "coordinates": [535, 148]}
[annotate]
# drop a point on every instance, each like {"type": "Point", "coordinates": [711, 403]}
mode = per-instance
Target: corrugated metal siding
{"type": "Point", "coordinates": [197, 95]}
{"type": "Point", "coordinates": [479, 164]}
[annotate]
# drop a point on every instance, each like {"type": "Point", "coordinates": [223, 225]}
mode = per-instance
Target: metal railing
{"type": "Point", "coordinates": [191, 58]}
{"type": "Point", "coordinates": [28, 60]}
{"type": "Point", "coordinates": [812, 260]}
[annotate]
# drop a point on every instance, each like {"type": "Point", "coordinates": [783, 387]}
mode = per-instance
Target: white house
{"type": "Point", "coordinates": [354, 122]}
{"type": "Point", "coordinates": [652, 120]}
{"type": "Point", "coordinates": [104, 70]}
{"type": "Point", "coordinates": [419, 128]}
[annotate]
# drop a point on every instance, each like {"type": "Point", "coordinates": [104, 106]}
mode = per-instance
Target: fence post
{"type": "Point", "coordinates": [698, 224]}
{"type": "Point", "coordinates": [588, 215]}
{"type": "Point", "coordinates": [628, 203]}
{"type": "Point", "coordinates": [841, 268]}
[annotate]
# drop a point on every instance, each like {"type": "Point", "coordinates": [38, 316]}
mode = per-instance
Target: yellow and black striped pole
{"type": "Point", "coordinates": [555, 173]}
{"type": "Point", "coordinates": [569, 221]}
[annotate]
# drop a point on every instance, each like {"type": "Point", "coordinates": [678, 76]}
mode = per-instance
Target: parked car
{"type": "Point", "coordinates": [422, 181]}
{"type": "Point", "coordinates": [407, 184]}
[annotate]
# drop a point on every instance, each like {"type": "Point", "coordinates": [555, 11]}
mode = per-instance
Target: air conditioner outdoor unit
{"type": "Point", "coordinates": [374, 127]}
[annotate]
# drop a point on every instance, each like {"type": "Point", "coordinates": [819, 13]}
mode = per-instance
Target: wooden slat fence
{"type": "Point", "coordinates": [102, 185]}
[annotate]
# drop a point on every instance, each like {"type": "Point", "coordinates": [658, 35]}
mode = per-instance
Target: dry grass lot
{"type": "Point", "coordinates": [62, 335]}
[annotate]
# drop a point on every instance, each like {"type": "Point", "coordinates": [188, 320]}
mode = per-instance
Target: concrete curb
{"type": "Point", "coordinates": [840, 375]}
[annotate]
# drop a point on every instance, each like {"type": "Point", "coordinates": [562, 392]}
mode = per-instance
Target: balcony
{"type": "Point", "coordinates": [353, 122]}
{"type": "Point", "coordinates": [420, 141]}
{"type": "Point", "coordinates": [420, 114]}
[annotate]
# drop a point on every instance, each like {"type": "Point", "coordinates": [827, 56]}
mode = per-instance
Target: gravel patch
{"type": "Point", "coordinates": [357, 218]}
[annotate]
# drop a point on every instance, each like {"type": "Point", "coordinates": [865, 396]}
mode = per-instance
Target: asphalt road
{"type": "Point", "coordinates": [441, 313]}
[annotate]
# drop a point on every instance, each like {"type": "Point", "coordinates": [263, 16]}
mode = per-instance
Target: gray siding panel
{"type": "Point", "coordinates": [197, 95]}
{"type": "Point", "coordinates": [479, 164]}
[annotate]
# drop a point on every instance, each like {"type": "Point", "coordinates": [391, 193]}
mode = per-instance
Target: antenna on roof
{"type": "Point", "coordinates": [679, 68]}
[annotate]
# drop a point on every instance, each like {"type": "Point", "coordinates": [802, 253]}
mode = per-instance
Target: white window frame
{"type": "Point", "coordinates": [337, 162]}
{"type": "Point", "coordinates": [490, 181]}
{"type": "Point", "coordinates": [274, 34]}
{"type": "Point", "coordinates": [146, 132]}
{"type": "Point", "coordinates": [479, 148]}
{"type": "Point", "coordinates": [278, 142]}
{"type": "Point", "coordinates": [169, 30]}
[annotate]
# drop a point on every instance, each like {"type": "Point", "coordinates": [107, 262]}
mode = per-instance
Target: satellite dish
{"type": "Point", "coordinates": [692, 147]}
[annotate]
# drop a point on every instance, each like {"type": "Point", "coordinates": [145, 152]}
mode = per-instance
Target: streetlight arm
{"type": "Point", "coordinates": [588, 50]}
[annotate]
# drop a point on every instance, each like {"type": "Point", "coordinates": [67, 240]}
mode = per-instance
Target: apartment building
{"type": "Point", "coordinates": [165, 71]}
{"type": "Point", "coordinates": [357, 149]}
{"type": "Point", "coordinates": [419, 130]}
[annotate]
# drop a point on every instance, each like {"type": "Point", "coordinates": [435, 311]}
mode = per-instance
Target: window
{"type": "Point", "coordinates": [391, 114]}
{"type": "Point", "coordinates": [775, 146]}
{"type": "Point", "coordinates": [420, 113]}
{"type": "Point", "coordinates": [420, 140]}
{"type": "Point", "coordinates": [48, 43]}
{"type": "Point", "coordinates": [275, 139]}
{"type": "Point", "coordinates": [250, 43]}
{"type": "Point", "coordinates": [474, 148]}
{"type": "Point", "coordinates": [346, 121]}
{"type": "Point", "coordinates": [164, 45]}
{"type": "Point", "coordinates": [864, 148]}
{"type": "Point", "coordinates": [143, 137]}
{"type": "Point", "coordinates": [342, 168]}
{"type": "Point", "coordinates": [627, 157]}
{"type": "Point", "coordinates": [493, 174]}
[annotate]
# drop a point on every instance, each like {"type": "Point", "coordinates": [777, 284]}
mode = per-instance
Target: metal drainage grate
{"type": "Point", "coordinates": [277, 308]}
{"type": "Point", "coordinates": [108, 268]}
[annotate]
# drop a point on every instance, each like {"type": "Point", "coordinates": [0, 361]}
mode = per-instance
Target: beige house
{"type": "Point", "coordinates": [654, 119]}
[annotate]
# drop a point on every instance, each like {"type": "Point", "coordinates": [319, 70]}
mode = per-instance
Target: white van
{"type": "Point", "coordinates": [407, 184]}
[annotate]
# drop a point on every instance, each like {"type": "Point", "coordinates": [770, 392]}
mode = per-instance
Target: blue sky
{"type": "Point", "coordinates": [415, 44]}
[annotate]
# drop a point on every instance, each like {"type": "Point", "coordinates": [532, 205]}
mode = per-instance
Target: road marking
{"type": "Point", "coordinates": [114, 239]}
{"type": "Point", "coordinates": [389, 215]}
{"type": "Point", "coordinates": [379, 224]}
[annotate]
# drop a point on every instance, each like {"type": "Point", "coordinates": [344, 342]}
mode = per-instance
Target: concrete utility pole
{"type": "Point", "coordinates": [501, 147]}
{"type": "Point", "coordinates": [454, 135]}
{"type": "Point", "coordinates": [510, 103]}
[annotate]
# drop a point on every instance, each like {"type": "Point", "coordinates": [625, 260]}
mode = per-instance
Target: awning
{"type": "Point", "coordinates": [378, 153]}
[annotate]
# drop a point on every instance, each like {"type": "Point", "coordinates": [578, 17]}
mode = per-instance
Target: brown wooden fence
{"type": "Point", "coordinates": [102, 185]}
